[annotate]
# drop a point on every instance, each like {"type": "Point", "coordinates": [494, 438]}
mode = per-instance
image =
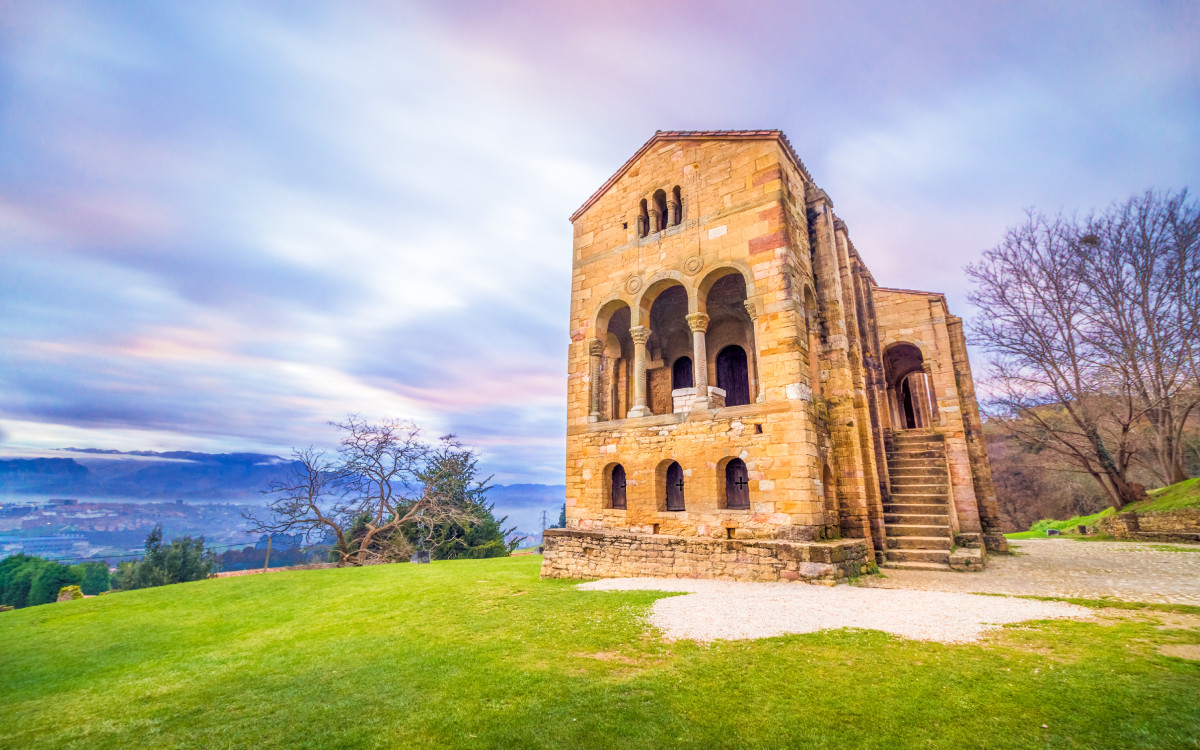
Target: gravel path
{"type": "Point", "coordinates": [732, 611]}
{"type": "Point", "coordinates": [1131, 571]}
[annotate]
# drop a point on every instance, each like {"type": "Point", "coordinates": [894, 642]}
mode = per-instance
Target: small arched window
{"type": "Point", "coordinates": [674, 487]}
{"type": "Point", "coordinates": [617, 487]}
{"type": "Point", "coordinates": [737, 485]}
{"type": "Point", "coordinates": [681, 373]}
{"type": "Point", "coordinates": [733, 375]}
{"type": "Point", "coordinates": [675, 206]}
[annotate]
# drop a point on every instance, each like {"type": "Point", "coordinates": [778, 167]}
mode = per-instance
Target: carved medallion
{"type": "Point", "coordinates": [692, 265]}
{"type": "Point", "coordinates": [633, 284]}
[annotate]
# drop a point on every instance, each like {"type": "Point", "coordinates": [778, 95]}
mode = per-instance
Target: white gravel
{"type": "Point", "coordinates": [726, 610]}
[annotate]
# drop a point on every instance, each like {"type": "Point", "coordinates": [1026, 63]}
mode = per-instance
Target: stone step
{"type": "Point", "coordinates": [914, 488]}
{"type": "Point", "coordinates": [926, 509]}
{"type": "Point", "coordinates": [918, 471]}
{"type": "Point", "coordinates": [916, 479]}
{"type": "Point", "coordinates": [920, 542]}
{"type": "Point", "coordinates": [920, 498]}
{"type": "Point", "coordinates": [920, 519]}
{"type": "Point", "coordinates": [915, 565]}
{"type": "Point", "coordinates": [904, 529]}
{"type": "Point", "coordinates": [940, 556]}
{"type": "Point", "coordinates": [915, 463]}
{"type": "Point", "coordinates": [913, 455]}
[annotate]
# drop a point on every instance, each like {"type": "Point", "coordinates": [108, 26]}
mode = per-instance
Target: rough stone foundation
{"type": "Point", "coordinates": [570, 553]}
{"type": "Point", "coordinates": [1182, 525]}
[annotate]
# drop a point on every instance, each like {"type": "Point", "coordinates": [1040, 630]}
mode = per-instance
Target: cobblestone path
{"type": "Point", "coordinates": [1063, 567]}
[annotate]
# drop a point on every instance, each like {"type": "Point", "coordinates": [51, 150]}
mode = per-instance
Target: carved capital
{"type": "Point", "coordinates": [751, 309]}
{"type": "Point", "coordinates": [926, 367]}
{"type": "Point", "coordinates": [596, 348]}
{"type": "Point", "coordinates": [698, 322]}
{"type": "Point", "coordinates": [639, 334]}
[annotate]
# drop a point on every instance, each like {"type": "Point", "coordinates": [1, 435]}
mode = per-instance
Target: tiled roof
{"type": "Point", "coordinates": [692, 135]}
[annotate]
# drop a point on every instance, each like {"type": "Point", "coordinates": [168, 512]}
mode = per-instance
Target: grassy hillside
{"type": "Point", "coordinates": [483, 654]}
{"type": "Point", "coordinates": [1185, 494]}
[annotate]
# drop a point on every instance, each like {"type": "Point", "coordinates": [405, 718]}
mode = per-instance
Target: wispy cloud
{"type": "Point", "coordinates": [223, 224]}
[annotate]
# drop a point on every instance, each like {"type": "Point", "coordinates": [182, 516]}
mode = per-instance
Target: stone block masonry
{"type": "Point", "coordinates": [737, 377]}
{"type": "Point", "coordinates": [570, 553]}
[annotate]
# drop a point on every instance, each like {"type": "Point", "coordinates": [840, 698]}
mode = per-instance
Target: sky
{"type": "Point", "coordinates": [223, 225]}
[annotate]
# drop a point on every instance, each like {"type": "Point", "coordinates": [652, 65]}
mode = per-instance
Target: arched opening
{"type": "Point", "coordinates": [733, 375]}
{"type": "Point", "coordinates": [910, 391]}
{"type": "Point", "coordinates": [616, 487]}
{"type": "Point", "coordinates": [681, 373]}
{"type": "Point", "coordinates": [829, 499]}
{"type": "Point", "coordinates": [737, 485]}
{"type": "Point", "coordinates": [643, 220]}
{"type": "Point", "coordinates": [730, 337]}
{"type": "Point", "coordinates": [670, 340]}
{"type": "Point", "coordinates": [658, 210]}
{"type": "Point", "coordinates": [909, 411]}
{"type": "Point", "coordinates": [616, 363]}
{"type": "Point", "coordinates": [674, 486]}
{"type": "Point", "coordinates": [813, 325]}
{"type": "Point", "coordinates": [676, 206]}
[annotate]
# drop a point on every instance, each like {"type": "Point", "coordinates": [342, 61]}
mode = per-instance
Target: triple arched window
{"type": "Point", "coordinates": [661, 210]}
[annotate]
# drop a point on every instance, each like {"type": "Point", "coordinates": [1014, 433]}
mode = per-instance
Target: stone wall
{"type": "Point", "coordinates": [569, 553]}
{"type": "Point", "coordinates": [1181, 525]}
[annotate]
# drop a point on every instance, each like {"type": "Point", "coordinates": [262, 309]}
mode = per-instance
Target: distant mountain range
{"type": "Point", "coordinates": [207, 477]}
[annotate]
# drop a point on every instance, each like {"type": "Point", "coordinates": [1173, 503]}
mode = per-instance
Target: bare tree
{"type": "Point", "coordinates": [1047, 375]}
{"type": "Point", "coordinates": [1141, 264]}
{"type": "Point", "coordinates": [384, 478]}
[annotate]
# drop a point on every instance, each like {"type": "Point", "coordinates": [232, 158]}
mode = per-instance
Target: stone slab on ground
{"type": "Point", "coordinates": [728, 610]}
{"type": "Point", "coordinates": [1126, 571]}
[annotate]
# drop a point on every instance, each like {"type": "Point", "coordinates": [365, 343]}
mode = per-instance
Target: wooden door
{"type": "Point", "coordinates": [674, 486]}
{"type": "Point", "coordinates": [737, 485]}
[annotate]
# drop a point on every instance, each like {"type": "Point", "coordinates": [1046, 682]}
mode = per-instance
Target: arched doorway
{"type": "Point", "coordinates": [737, 485]}
{"type": "Point", "coordinates": [617, 488]}
{"type": "Point", "coordinates": [911, 396]}
{"type": "Point", "coordinates": [681, 373]}
{"type": "Point", "coordinates": [674, 487]}
{"type": "Point", "coordinates": [733, 375]}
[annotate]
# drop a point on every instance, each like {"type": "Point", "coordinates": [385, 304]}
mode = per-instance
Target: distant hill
{"type": "Point", "coordinates": [226, 477]}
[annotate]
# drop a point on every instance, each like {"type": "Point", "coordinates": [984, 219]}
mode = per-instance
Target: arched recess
{"type": "Point", "coordinates": [615, 385]}
{"type": "Point", "coordinates": [730, 329]}
{"type": "Point", "coordinates": [614, 487]}
{"type": "Point", "coordinates": [671, 486]}
{"type": "Point", "coordinates": [830, 502]}
{"type": "Point", "coordinates": [664, 307]}
{"type": "Point", "coordinates": [812, 324]}
{"type": "Point", "coordinates": [734, 478]}
{"type": "Point", "coordinates": [910, 392]}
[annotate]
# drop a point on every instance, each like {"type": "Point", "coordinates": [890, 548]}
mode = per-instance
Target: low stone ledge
{"type": "Point", "coordinates": [572, 553]}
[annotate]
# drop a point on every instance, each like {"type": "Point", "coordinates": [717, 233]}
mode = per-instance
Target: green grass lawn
{"type": "Point", "coordinates": [1185, 494]}
{"type": "Point", "coordinates": [484, 654]}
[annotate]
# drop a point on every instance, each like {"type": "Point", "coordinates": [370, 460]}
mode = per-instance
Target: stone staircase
{"type": "Point", "coordinates": [917, 516]}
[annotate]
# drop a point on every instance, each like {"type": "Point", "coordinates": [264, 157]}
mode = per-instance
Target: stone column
{"type": "Point", "coordinates": [698, 322]}
{"type": "Point", "coordinates": [596, 351]}
{"type": "Point", "coordinates": [640, 335]}
{"type": "Point", "coordinates": [656, 219]}
{"type": "Point", "coordinates": [752, 355]}
{"type": "Point", "coordinates": [672, 213]}
{"type": "Point", "coordinates": [931, 389]}
{"type": "Point", "coordinates": [897, 422]}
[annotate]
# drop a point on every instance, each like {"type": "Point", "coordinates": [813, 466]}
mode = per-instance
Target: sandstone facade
{"type": "Point", "coordinates": [735, 373]}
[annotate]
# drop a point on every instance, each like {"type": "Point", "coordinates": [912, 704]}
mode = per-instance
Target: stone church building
{"type": "Point", "coordinates": [744, 400]}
